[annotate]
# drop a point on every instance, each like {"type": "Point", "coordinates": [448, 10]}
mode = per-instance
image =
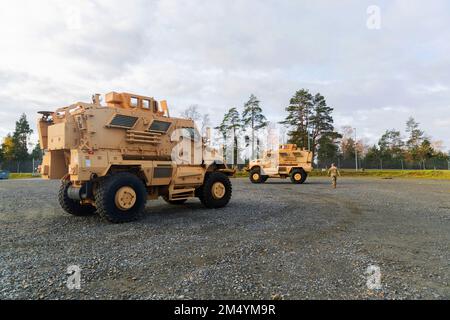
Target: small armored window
{"type": "Point", "coordinates": [160, 126]}
{"type": "Point", "coordinates": [134, 102]}
{"type": "Point", "coordinates": [122, 121]}
{"type": "Point", "coordinates": [146, 104]}
{"type": "Point", "coordinates": [155, 107]}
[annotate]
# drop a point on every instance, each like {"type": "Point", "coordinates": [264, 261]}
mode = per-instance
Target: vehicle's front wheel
{"type": "Point", "coordinates": [71, 206]}
{"type": "Point", "coordinates": [216, 190]}
{"type": "Point", "coordinates": [120, 197]}
{"type": "Point", "coordinates": [255, 176]}
{"type": "Point", "coordinates": [298, 176]}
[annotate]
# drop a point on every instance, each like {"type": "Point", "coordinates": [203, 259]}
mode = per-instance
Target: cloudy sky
{"type": "Point", "coordinates": [216, 53]}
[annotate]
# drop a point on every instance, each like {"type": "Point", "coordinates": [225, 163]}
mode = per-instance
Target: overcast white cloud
{"type": "Point", "coordinates": [216, 53]}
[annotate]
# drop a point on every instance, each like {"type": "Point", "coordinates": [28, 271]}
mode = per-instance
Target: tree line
{"type": "Point", "coordinates": [310, 125]}
{"type": "Point", "coordinates": [415, 147]}
{"type": "Point", "coordinates": [309, 122]}
{"type": "Point", "coordinates": [15, 145]}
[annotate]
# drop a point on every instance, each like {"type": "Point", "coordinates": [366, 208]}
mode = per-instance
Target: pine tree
{"type": "Point", "coordinates": [415, 139]}
{"type": "Point", "coordinates": [36, 154]}
{"type": "Point", "coordinates": [309, 118]}
{"type": "Point", "coordinates": [328, 149]}
{"type": "Point", "coordinates": [321, 121]}
{"type": "Point", "coordinates": [253, 119]}
{"type": "Point", "coordinates": [299, 112]}
{"type": "Point", "coordinates": [425, 152]}
{"type": "Point", "coordinates": [231, 123]}
{"type": "Point", "coordinates": [20, 138]}
{"type": "Point", "coordinates": [391, 145]}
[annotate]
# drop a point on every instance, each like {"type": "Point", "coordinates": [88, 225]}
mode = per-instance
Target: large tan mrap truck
{"type": "Point", "coordinates": [287, 161]}
{"type": "Point", "coordinates": [112, 158]}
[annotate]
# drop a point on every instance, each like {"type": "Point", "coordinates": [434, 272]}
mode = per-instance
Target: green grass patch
{"type": "Point", "coordinates": [388, 174]}
{"type": "Point", "coordinates": [383, 174]}
{"type": "Point", "coordinates": [241, 174]}
{"type": "Point", "coordinates": [24, 175]}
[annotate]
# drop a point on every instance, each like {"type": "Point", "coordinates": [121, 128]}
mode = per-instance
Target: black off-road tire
{"type": "Point", "coordinates": [205, 193]}
{"type": "Point", "coordinates": [294, 175]}
{"type": "Point", "coordinates": [71, 206]}
{"type": "Point", "coordinates": [105, 197]}
{"type": "Point", "coordinates": [256, 172]}
{"type": "Point", "coordinates": [175, 202]}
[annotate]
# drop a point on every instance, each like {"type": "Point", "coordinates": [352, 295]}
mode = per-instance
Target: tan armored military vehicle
{"type": "Point", "coordinates": [112, 158]}
{"type": "Point", "coordinates": [287, 161]}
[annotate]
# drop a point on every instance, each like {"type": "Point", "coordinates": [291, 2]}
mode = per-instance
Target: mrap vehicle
{"type": "Point", "coordinates": [287, 161]}
{"type": "Point", "coordinates": [111, 159]}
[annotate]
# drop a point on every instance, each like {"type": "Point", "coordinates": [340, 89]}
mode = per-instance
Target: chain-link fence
{"type": "Point", "coordinates": [380, 164]}
{"type": "Point", "coordinates": [27, 166]}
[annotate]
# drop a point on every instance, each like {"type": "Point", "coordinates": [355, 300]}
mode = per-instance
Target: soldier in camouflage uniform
{"type": "Point", "coordinates": [334, 172]}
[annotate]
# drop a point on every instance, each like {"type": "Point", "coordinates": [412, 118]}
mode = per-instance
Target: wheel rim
{"type": "Point", "coordinates": [125, 198]}
{"type": "Point", "coordinates": [255, 176]}
{"type": "Point", "coordinates": [297, 176]}
{"type": "Point", "coordinates": [218, 190]}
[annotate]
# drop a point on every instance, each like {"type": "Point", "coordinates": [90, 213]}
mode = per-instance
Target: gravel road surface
{"type": "Point", "coordinates": [273, 240]}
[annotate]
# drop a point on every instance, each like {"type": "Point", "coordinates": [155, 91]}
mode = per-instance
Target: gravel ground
{"type": "Point", "coordinates": [273, 240]}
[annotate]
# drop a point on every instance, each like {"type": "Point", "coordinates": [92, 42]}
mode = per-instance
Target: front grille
{"type": "Point", "coordinates": [123, 121]}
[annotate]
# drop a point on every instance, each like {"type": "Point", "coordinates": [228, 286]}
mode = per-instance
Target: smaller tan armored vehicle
{"type": "Point", "coordinates": [112, 158]}
{"type": "Point", "coordinates": [287, 161]}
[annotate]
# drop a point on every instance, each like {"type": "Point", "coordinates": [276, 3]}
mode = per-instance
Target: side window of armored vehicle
{"type": "Point", "coordinates": [160, 126]}
{"type": "Point", "coordinates": [134, 102]}
{"type": "Point", "coordinates": [146, 104]}
{"type": "Point", "coordinates": [123, 121]}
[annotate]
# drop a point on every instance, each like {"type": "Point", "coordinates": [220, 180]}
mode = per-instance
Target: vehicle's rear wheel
{"type": "Point", "coordinates": [166, 199]}
{"type": "Point", "coordinates": [255, 175]}
{"type": "Point", "coordinates": [71, 206]}
{"type": "Point", "coordinates": [216, 190]}
{"type": "Point", "coordinates": [298, 176]}
{"type": "Point", "coordinates": [120, 197]}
